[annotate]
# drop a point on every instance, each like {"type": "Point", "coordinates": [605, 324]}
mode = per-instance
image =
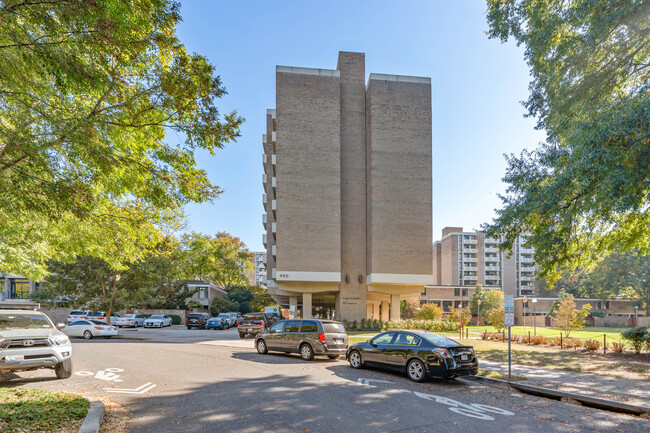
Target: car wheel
{"type": "Point", "coordinates": [355, 359]}
{"type": "Point", "coordinates": [88, 335]}
{"type": "Point", "coordinates": [63, 369]}
{"type": "Point", "coordinates": [306, 352]}
{"type": "Point", "coordinates": [415, 370]}
{"type": "Point", "coordinates": [261, 347]}
{"type": "Point", "coordinates": [135, 325]}
{"type": "Point", "coordinates": [333, 356]}
{"type": "Point", "coordinates": [189, 327]}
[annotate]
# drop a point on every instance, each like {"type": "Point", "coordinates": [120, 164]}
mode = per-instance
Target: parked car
{"type": "Point", "coordinates": [308, 337]}
{"type": "Point", "coordinates": [216, 323]}
{"type": "Point", "coordinates": [420, 354]}
{"type": "Point", "coordinates": [100, 316]}
{"type": "Point", "coordinates": [237, 318]}
{"type": "Point", "coordinates": [228, 318]}
{"type": "Point", "coordinates": [252, 323]}
{"type": "Point", "coordinates": [158, 321]}
{"type": "Point", "coordinates": [30, 341]}
{"type": "Point", "coordinates": [78, 315]}
{"type": "Point", "coordinates": [196, 320]}
{"type": "Point", "coordinates": [89, 329]}
{"type": "Point", "coordinates": [133, 320]}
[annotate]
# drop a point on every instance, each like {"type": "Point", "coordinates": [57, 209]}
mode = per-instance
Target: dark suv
{"type": "Point", "coordinates": [308, 337]}
{"type": "Point", "coordinates": [197, 320]}
{"type": "Point", "coordinates": [253, 323]}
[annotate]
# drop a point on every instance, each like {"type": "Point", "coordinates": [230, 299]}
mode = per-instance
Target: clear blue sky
{"type": "Point", "coordinates": [477, 86]}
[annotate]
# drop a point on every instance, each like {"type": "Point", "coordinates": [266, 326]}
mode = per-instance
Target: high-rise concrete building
{"type": "Point", "coordinates": [469, 258]}
{"type": "Point", "coordinates": [348, 200]}
{"type": "Point", "coordinates": [259, 269]}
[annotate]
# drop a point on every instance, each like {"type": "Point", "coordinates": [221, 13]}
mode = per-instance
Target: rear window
{"type": "Point", "coordinates": [333, 328]}
{"type": "Point", "coordinates": [156, 316]}
{"type": "Point", "coordinates": [77, 313]}
{"type": "Point", "coordinates": [253, 317]}
{"type": "Point", "coordinates": [193, 316]}
{"type": "Point", "coordinates": [439, 340]}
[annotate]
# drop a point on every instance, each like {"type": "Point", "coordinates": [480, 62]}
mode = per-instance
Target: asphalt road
{"type": "Point", "coordinates": [174, 380]}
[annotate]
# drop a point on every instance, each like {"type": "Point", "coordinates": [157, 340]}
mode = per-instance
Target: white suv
{"type": "Point", "coordinates": [29, 341]}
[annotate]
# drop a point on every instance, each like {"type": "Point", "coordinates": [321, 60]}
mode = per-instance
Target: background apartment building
{"type": "Point", "coordinates": [259, 269]}
{"type": "Point", "coordinates": [348, 200]}
{"type": "Point", "coordinates": [469, 258]}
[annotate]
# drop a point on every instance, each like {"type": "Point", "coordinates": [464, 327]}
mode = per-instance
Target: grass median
{"type": "Point", "coordinates": [35, 410]}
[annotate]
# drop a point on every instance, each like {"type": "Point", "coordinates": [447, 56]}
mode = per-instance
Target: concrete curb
{"type": "Point", "coordinates": [94, 417]}
{"type": "Point", "coordinates": [568, 397]}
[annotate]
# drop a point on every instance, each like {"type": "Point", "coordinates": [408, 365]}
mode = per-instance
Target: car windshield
{"type": "Point", "coordinates": [23, 320]}
{"type": "Point", "coordinates": [156, 316]}
{"type": "Point", "coordinates": [438, 340]}
{"type": "Point", "coordinates": [333, 328]}
{"type": "Point", "coordinates": [224, 315]}
{"type": "Point", "coordinates": [77, 313]}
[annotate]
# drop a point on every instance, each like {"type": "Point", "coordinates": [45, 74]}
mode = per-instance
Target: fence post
{"type": "Point", "coordinates": [529, 338]}
{"type": "Point", "coordinates": [561, 345]}
{"type": "Point", "coordinates": [503, 335]}
{"type": "Point", "coordinates": [604, 344]}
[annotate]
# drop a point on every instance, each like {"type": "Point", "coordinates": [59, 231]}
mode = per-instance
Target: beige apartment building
{"type": "Point", "coordinates": [348, 197]}
{"type": "Point", "coordinates": [469, 258]}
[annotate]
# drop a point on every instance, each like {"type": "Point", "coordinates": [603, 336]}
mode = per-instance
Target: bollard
{"type": "Point", "coordinates": [503, 335]}
{"type": "Point", "coordinates": [561, 345]}
{"type": "Point", "coordinates": [529, 338]}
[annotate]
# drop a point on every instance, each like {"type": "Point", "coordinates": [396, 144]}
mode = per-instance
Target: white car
{"type": "Point", "coordinates": [158, 321]}
{"type": "Point", "coordinates": [100, 316]}
{"type": "Point", "coordinates": [89, 329]}
{"type": "Point", "coordinates": [78, 315]}
{"type": "Point", "coordinates": [134, 320]}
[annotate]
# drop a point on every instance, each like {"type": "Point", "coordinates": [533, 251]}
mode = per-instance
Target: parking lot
{"type": "Point", "coordinates": [175, 379]}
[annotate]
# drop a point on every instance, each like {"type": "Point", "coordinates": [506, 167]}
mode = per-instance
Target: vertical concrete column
{"type": "Point", "coordinates": [32, 286]}
{"type": "Point", "coordinates": [375, 310]}
{"type": "Point", "coordinates": [306, 306]}
{"type": "Point", "coordinates": [7, 287]}
{"type": "Point", "coordinates": [293, 304]}
{"type": "Point", "coordinates": [368, 310]}
{"type": "Point", "coordinates": [394, 307]}
{"type": "Point", "coordinates": [384, 311]}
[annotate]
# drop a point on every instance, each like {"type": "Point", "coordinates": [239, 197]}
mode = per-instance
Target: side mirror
{"type": "Point", "coordinates": [60, 325]}
{"type": "Point", "coordinates": [372, 343]}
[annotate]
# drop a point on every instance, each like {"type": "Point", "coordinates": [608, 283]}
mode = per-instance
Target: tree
{"type": "Point", "coordinates": [88, 93]}
{"type": "Point", "coordinates": [407, 311]}
{"type": "Point", "coordinates": [567, 316]}
{"type": "Point", "coordinates": [561, 296]}
{"type": "Point", "coordinates": [223, 305]}
{"type": "Point", "coordinates": [638, 337]}
{"type": "Point", "coordinates": [261, 299]}
{"type": "Point", "coordinates": [586, 191]}
{"type": "Point", "coordinates": [460, 315]}
{"type": "Point", "coordinates": [430, 312]}
{"type": "Point", "coordinates": [496, 317]}
{"type": "Point", "coordinates": [479, 294]}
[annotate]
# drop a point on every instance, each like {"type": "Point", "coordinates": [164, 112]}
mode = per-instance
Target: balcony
{"type": "Point", "coordinates": [273, 251]}
{"type": "Point", "coordinates": [264, 219]}
{"type": "Point", "coordinates": [273, 228]}
{"type": "Point", "coordinates": [469, 241]}
{"type": "Point", "coordinates": [470, 268]}
{"type": "Point", "coordinates": [470, 277]}
{"type": "Point", "coordinates": [264, 198]}
{"type": "Point", "coordinates": [491, 249]}
{"type": "Point", "coordinates": [492, 282]}
{"type": "Point", "coordinates": [264, 138]}
{"type": "Point", "coordinates": [273, 136]}
{"type": "Point", "coordinates": [273, 159]}
{"type": "Point", "coordinates": [273, 273]}
{"type": "Point", "coordinates": [491, 241]}
{"type": "Point", "coordinates": [469, 250]}
{"type": "Point", "coordinates": [470, 260]}
{"type": "Point", "coordinates": [265, 178]}
{"type": "Point", "coordinates": [273, 181]}
{"type": "Point", "coordinates": [527, 260]}
{"type": "Point", "coordinates": [264, 240]}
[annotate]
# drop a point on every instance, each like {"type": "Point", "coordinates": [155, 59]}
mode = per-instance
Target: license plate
{"type": "Point", "coordinates": [464, 357]}
{"type": "Point", "coordinates": [14, 358]}
{"type": "Point", "coordinates": [338, 340]}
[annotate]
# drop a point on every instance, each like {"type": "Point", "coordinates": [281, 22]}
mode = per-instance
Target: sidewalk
{"type": "Point", "coordinates": [623, 390]}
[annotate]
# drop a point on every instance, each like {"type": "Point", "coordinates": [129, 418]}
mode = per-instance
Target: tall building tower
{"type": "Point", "coordinates": [348, 200]}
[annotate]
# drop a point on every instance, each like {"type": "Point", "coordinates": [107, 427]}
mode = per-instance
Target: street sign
{"type": "Point", "coordinates": [509, 308]}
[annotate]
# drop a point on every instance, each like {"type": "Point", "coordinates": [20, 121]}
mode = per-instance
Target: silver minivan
{"type": "Point", "coordinates": [307, 337]}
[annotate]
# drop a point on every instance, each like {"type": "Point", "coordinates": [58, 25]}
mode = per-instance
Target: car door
{"type": "Point", "coordinates": [376, 352]}
{"type": "Point", "coordinates": [291, 336]}
{"type": "Point", "coordinates": [74, 328]}
{"type": "Point", "coordinates": [274, 338]}
{"type": "Point", "coordinates": [402, 348]}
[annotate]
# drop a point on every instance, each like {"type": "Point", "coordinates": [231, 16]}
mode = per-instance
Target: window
{"type": "Point", "coordinates": [464, 292]}
{"type": "Point", "coordinates": [333, 328]}
{"type": "Point", "coordinates": [384, 338]}
{"type": "Point", "coordinates": [309, 326]}
{"type": "Point", "coordinates": [606, 305]}
{"type": "Point", "coordinates": [203, 293]}
{"type": "Point", "coordinates": [456, 292]}
{"type": "Point", "coordinates": [292, 326]}
{"type": "Point", "coordinates": [407, 340]}
{"type": "Point", "coordinates": [277, 327]}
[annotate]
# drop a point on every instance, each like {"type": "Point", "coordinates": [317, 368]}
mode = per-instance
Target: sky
{"type": "Point", "coordinates": [477, 88]}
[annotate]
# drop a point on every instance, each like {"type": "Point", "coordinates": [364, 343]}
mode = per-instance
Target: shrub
{"type": "Point", "coordinates": [429, 312]}
{"type": "Point", "coordinates": [176, 319]}
{"type": "Point", "coordinates": [618, 347]}
{"type": "Point", "coordinates": [638, 337]}
{"type": "Point", "coordinates": [538, 340]}
{"type": "Point", "coordinates": [354, 325]}
{"type": "Point", "coordinates": [555, 341]}
{"type": "Point", "coordinates": [570, 343]}
{"type": "Point", "coordinates": [592, 344]}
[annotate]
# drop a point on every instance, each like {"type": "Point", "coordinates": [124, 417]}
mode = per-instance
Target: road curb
{"type": "Point", "coordinates": [568, 397]}
{"type": "Point", "coordinates": [94, 417]}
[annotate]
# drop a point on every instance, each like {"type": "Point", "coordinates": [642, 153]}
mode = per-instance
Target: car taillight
{"type": "Point", "coordinates": [321, 338]}
{"type": "Point", "coordinates": [262, 324]}
{"type": "Point", "coordinates": [238, 324]}
{"type": "Point", "coordinates": [442, 352]}
{"type": "Point", "coordinates": [99, 328]}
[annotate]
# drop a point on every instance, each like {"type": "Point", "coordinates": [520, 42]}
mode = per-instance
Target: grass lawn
{"type": "Point", "coordinates": [596, 333]}
{"type": "Point", "coordinates": [35, 410]}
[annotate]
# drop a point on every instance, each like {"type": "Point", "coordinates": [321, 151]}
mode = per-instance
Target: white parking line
{"type": "Point", "coordinates": [139, 390]}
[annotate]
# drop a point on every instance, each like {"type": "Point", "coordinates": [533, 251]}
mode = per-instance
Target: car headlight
{"type": "Point", "coordinates": [60, 340]}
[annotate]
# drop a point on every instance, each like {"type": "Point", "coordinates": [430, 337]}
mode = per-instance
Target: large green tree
{"type": "Point", "coordinates": [101, 111]}
{"type": "Point", "coordinates": [586, 190]}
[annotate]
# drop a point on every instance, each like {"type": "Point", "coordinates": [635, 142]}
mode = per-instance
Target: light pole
{"type": "Point", "coordinates": [523, 306]}
{"type": "Point", "coordinates": [534, 316]}
{"type": "Point", "coordinates": [478, 321]}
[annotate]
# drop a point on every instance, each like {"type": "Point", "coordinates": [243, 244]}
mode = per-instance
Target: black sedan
{"type": "Point", "coordinates": [418, 353]}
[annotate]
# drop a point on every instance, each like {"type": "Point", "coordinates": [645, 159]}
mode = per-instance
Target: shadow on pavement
{"type": "Point", "coordinates": [279, 358]}
{"type": "Point", "coordinates": [12, 380]}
